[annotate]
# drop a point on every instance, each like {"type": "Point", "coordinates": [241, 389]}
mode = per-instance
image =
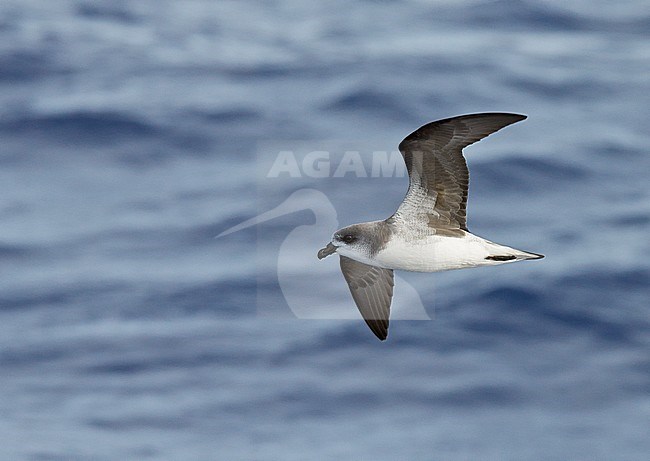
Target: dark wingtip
{"type": "Point", "coordinates": [515, 117]}
{"type": "Point", "coordinates": [380, 331]}
{"type": "Point", "coordinates": [501, 257]}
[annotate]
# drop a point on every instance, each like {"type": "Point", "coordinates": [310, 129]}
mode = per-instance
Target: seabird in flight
{"type": "Point", "coordinates": [428, 232]}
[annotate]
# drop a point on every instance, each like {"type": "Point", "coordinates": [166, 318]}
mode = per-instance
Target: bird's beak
{"type": "Point", "coordinates": [328, 250]}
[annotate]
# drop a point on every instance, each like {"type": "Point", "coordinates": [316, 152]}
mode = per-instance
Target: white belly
{"type": "Point", "coordinates": [437, 253]}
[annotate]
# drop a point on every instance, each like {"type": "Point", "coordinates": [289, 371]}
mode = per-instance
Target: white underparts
{"type": "Point", "coordinates": [440, 253]}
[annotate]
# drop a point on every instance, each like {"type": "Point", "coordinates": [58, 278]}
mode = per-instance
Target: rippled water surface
{"type": "Point", "coordinates": [132, 133]}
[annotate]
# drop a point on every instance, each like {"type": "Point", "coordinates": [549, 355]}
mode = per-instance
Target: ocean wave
{"type": "Point", "coordinates": [525, 174]}
{"type": "Point", "coordinates": [22, 66]}
{"type": "Point", "coordinates": [107, 11]}
{"type": "Point", "coordinates": [371, 102]}
{"type": "Point", "coordinates": [80, 127]}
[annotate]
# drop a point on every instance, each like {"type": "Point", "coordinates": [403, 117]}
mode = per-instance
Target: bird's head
{"type": "Point", "coordinates": [349, 241]}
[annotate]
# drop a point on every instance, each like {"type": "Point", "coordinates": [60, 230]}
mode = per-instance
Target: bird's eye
{"type": "Point", "coordinates": [348, 238]}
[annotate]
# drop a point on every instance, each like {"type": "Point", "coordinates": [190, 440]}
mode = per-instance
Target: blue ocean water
{"type": "Point", "coordinates": [132, 133]}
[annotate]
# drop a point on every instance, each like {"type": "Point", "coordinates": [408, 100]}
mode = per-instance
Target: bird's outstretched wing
{"type": "Point", "coordinates": [372, 290]}
{"type": "Point", "coordinates": [436, 200]}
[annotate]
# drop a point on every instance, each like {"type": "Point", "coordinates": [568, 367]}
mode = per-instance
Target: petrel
{"type": "Point", "coordinates": [428, 232]}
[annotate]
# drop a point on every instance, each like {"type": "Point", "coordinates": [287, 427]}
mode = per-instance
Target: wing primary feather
{"type": "Point", "coordinates": [372, 290]}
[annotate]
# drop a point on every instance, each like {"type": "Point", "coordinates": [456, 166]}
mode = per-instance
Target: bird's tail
{"type": "Point", "coordinates": [502, 254]}
{"type": "Point", "coordinates": [505, 254]}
